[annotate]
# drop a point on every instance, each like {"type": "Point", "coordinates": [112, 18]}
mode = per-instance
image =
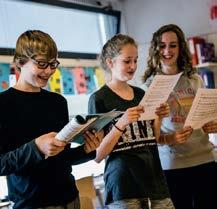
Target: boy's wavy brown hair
{"type": "Point", "coordinates": [34, 43]}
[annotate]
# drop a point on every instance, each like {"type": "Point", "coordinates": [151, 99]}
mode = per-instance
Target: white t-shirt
{"type": "Point", "coordinates": [198, 149]}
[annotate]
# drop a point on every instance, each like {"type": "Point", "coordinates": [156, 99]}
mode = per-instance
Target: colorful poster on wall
{"type": "Point", "coordinates": [79, 80]}
{"type": "Point", "coordinates": [55, 82]}
{"type": "Point", "coordinates": [100, 77]}
{"type": "Point", "coordinates": [4, 76]}
{"type": "Point", "coordinates": [67, 81]}
{"type": "Point", "coordinates": [90, 79]}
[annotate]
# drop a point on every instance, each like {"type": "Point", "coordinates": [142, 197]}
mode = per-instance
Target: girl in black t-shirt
{"type": "Point", "coordinates": [133, 173]}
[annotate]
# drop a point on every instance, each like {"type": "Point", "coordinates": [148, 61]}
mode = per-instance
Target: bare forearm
{"type": "Point", "coordinates": [107, 144]}
{"type": "Point", "coordinates": [178, 137]}
{"type": "Point", "coordinates": [157, 125]}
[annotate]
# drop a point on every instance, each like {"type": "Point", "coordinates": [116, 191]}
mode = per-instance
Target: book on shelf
{"type": "Point", "coordinates": [76, 127]}
{"type": "Point", "coordinates": [192, 42]}
{"type": "Point", "coordinates": [205, 52]}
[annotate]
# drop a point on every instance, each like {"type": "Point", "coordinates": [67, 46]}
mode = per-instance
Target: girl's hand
{"type": "Point", "coordinates": [130, 115]}
{"type": "Point", "coordinates": [92, 140]}
{"type": "Point", "coordinates": [182, 135]}
{"type": "Point", "coordinates": [163, 111]}
{"type": "Point", "coordinates": [111, 139]}
{"type": "Point", "coordinates": [210, 127]}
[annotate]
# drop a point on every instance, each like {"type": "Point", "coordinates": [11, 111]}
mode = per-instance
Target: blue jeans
{"type": "Point", "coordinates": [142, 204]}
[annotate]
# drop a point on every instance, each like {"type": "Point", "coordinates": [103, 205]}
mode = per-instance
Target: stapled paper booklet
{"type": "Point", "coordinates": [78, 125]}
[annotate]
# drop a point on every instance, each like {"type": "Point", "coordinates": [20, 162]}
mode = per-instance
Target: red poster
{"type": "Point", "coordinates": [79, 79]}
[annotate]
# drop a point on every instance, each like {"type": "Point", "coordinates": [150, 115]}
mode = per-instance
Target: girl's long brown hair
{"type": "Point", "coordinates": [184, 61]}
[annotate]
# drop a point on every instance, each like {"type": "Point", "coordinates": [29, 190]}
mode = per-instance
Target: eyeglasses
{"type": "Point", "coordinates": [43, 64]}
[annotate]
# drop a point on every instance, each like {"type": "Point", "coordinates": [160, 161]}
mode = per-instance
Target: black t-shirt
{"type": "Point", "coordinates": [34, 181]}
{"type": "Point", "coordinates": [133, 168]}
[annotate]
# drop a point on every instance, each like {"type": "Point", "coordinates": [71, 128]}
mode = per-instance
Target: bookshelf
{"type": "Point", "coordinates": [210, 66]}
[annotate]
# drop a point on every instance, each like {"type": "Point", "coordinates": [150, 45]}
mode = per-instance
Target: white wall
{"type": "Point", "coordinates": [143, 17]}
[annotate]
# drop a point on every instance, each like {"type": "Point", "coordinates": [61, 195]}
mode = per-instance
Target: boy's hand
{"type": "Point", "coordinates": [92, 140]}
{"type": "Point", "coordinates": [48, 145]}
{"type": "Point", "coordinates": [163, 111]}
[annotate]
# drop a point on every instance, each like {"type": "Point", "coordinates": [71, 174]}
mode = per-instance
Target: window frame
{"type": "Point", "coordinates": [71, 5]}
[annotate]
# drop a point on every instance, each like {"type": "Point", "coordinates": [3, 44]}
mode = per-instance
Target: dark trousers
{"type": "Point", "coordinates": [72, 205]}
{"type": "Point", "coordinates": [194, 187]}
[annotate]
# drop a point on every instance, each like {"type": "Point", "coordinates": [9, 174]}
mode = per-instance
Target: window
{"type": "Point", "coordinates": [79, 31]}
{"type": "Point", "coordinates": [3, 188]}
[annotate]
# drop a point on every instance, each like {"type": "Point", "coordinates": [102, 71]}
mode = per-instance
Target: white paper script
{"type": "Point", "coordinates": [203, 109]}
{"type": "Point", "coordinates": [157, 93]}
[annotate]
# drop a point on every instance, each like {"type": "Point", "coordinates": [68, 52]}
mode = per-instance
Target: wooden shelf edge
{"type": "Point", "coordinates": [207, 64]}
{"type": "Point", "coordinates": [63, 62]}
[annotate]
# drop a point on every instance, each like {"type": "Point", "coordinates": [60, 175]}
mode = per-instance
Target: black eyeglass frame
{"type": "Point", "coordinates": [44, 64]}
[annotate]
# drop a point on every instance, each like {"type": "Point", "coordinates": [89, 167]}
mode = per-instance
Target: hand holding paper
{"type": "Point", "coordinates": [130, 115]}
{"type": "Point", "coordinates": [78, 125]}
{"type": "Point", "coordinates": [92, 140]}
{"type": "Point", "coordinates": [163, 111]}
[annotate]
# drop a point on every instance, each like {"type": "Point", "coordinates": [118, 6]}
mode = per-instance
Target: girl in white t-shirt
{"type": "Point", "coordinates": [186, 155]}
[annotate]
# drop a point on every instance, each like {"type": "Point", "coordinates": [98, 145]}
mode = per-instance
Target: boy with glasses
{"type": "Point", "coordinates": [29, 119]}
{"type": "Point", "coordinates": [44, 64]}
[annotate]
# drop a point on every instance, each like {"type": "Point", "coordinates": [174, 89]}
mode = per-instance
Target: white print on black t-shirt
{"type": "Point", "coordinates": [136, 135]}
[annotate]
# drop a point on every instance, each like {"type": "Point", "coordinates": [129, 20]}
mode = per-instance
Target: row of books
{"type": "Point", "coordinates": [201, 51]}
{"type": "Point", "coordinates": [74, 80]}
{"type": "Point", "coordinates": [208, 77]}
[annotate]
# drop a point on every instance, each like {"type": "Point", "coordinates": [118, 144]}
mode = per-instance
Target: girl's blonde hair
{"type": "Point", "coordinates": [112, 48]}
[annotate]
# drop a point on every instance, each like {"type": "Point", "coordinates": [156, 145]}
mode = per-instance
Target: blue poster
{"type": "Point", "coordinates": [90, 79]}
{"type": "Point", "coordinates": [67, 81]}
